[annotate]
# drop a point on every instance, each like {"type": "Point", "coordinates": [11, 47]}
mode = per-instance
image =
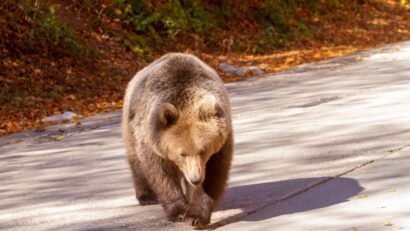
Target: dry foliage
{"type": "Point", "coordinates": [35, 84]}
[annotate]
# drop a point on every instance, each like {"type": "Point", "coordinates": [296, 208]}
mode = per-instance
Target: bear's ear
{"type": "Point", "coordinates": [168, 115]}
{"type": "Point", "coordinates": [163, 116]}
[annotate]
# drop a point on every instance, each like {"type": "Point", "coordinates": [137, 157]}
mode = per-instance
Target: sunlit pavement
{"type": "Point", "coordinates": [381, 202]}
{"type": "Point", "coordinates": [338, 128]}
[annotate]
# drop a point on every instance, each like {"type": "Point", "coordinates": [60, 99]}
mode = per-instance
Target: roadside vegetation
{"type": "Point", "coordinates": [78, 56]}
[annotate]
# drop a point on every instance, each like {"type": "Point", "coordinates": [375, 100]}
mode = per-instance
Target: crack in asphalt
{"type": "Point", "coordinates": [244, 214]}
{"type": "Point", "coordinates": [317, 102]}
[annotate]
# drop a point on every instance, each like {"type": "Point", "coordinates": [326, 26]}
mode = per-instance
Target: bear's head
{"type": "Point", "coordinates": [190, 136]}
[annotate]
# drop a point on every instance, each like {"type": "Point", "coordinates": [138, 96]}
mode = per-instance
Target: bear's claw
{"type": "Point", "coordinates": [175, 210]}
{"type": "Point", "coordinates": [196, 218]}
{"type": "Point", "coordinates": [195, 221]}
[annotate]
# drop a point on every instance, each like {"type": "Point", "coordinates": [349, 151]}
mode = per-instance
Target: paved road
{"type": "Point", "coordinates": [382, 204]}
{"type": "Point", "coordinates": [308, 128]}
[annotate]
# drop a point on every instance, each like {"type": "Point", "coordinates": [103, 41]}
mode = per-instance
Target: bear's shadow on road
{"type": "Point", "coordinates": [278, 198]}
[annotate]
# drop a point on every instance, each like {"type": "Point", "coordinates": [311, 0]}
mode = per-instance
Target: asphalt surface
{"type": "Point", "coordinates": [303, 138]}
{"type": "Point", "coordinates": [381, 202]}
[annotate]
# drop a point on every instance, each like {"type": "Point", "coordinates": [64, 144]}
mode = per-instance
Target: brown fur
{"type": "Point", "coordinates": [178, 136]}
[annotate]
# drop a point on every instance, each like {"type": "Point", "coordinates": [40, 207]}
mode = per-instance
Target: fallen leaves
{"type": "Point", "coordinates": [388, 223]}
{"type": "Point", "coordinates": [398, 228]}
{"type": "Point", "coordinates": [361, 196]}
{"type": "Point", "coordinates": [284, 60]}
{"type": "Point", "coordinates": [59, 138]}
{"type": "Point", "coordinates": [34, 86]}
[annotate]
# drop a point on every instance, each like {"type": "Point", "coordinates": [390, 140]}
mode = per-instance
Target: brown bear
{"type": "Point", "coordinates": [178, 135]}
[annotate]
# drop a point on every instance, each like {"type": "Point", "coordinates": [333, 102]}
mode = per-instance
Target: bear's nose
{"type": "Point", "coordinates": [196, 181]}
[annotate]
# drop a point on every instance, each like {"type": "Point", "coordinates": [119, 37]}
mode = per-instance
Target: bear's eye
{"type": "Point", "coordinates": [184, 154]}
{"type": "Point", "coordinates": [219, 112]}
{"type": "Point", "coordinates": [202, 153]}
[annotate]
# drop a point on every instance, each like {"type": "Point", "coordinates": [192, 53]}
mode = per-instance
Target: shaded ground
{"type": "Point", "coordinates": [291, 136]}
{"type": "Point", "coordinates": [380, 202]}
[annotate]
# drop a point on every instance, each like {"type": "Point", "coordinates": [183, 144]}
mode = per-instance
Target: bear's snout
{"type": "Point", "coordinates": [196, 181]}
{"type": "Point", "coordinates": [193, 170]}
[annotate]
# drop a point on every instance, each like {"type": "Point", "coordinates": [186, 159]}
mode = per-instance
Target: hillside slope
{"type": "Point", "coordinates": [77, 56]}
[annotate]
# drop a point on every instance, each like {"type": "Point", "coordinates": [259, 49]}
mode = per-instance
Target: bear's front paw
{"type": "Point", "coordinates": [199, 210]}
{"type": "Point", "coordinates": [147, 200]}
{"type": "Point", "coordinates": [197, 217]}
{"type": "Point", "coordinates": [174, 211]}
